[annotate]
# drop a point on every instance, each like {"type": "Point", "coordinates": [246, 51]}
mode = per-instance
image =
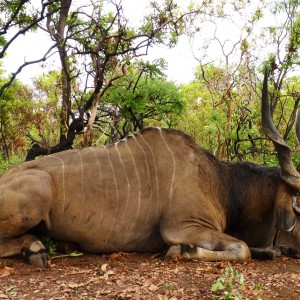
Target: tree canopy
{"type": "Point", "coordinates": [104, 87]}
{"type": "Point", "coordinates": [95, 43]}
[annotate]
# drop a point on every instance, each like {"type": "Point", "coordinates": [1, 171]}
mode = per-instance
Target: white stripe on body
{"type": "Point", "coordinates": [139, 191]}
{"type": "Point", "coordinates": [18, 186]}
{"type": "Point", "coordinates": [100, 174]}
{"type": "Point", "coordinates": [128, 183]}
{"type": "Point", "coordinates": [149, 178]}
{"type": "Point", "coordinates": [82, 189]}
{"type": "Point", "coordinates": [117, 194]}
{"type": "Point", "coordinates": [174, 166]}
{"type": "Point", "coordinates": [63, 188]}
{"type": "Point", "coordinates": [156, 177]}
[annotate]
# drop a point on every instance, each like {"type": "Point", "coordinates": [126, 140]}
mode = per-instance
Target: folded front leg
{"type": "Point", "coordinates": [205, 244]}
{"type": "Point", "coordinates": [28, 246]}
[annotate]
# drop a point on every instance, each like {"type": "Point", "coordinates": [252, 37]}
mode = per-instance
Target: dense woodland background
{"type": "Point", "coordinates": [106, 87]}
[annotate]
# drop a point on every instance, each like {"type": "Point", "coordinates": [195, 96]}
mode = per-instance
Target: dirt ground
{"type": "Point", "coordinates": [144, 276]}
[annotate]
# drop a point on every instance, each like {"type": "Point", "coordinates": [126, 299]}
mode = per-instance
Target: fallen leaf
{"type": "Point", "coordinates": [6, 271]}
{"type": "Point", "coordinates": [153, 287]}
{"type": "Point", "coordinates": [75, 285]}
{"type": "Point", "coordinates": [162, 297]}
{"type": "Point", "coordinates": [149, 281]}
{"type": "Point", "coordinates": [104, 268]}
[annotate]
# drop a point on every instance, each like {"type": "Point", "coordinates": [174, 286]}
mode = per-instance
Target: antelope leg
{"type": "Point", "coordinates": [265, 253]}
{"type": "Point", "coordinates": [207, 245]}
{"type": "Point", "coordinates": [27, 245]}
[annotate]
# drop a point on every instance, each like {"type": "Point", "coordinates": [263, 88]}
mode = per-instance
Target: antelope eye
{"type": "Point", "coordinates": [295, 192]}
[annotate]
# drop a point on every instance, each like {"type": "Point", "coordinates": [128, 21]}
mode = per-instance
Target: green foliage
{"type": "Point", "coordinates": [220, 108]}
{"type": "Point", "coordinates": [29, 112]}
{"type": "Point", "coordinates": [168, 13]}
{"type": "Point", "coordinates": [71, 254]}
{"type": "Point", "coordinates": [49, 243]}
{"type": "Point", "coordinates": [6, 164]}
{"type": "Point", "coordinates": [140, 99]}
{"type": "Point", "coordinates": [230, 285]}
{"type": "Point", "coordinates": [207, 110]}
{"type": "Point", "coordinates": [51, 246]}
{"type": "Point", "coordinates": [244, 45]}
{"type": "Point", "coordinates": [96, 45]}
{"type": "Point", "coordinates": [169, 287]}
{"type": "Point", "coordinates": [3, 41]}
{"type": "Point", "coordinates": [17, 14]}
{"type": "Point", "coordinates": [228, 123]}
{"type": "Point", "coordinates": [285, 35]}
{"type": "Point", "coordinates": [46, 115]}
{"type": "Point", "coordinates": [15, 118]}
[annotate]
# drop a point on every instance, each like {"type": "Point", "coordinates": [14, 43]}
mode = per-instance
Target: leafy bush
{"type": "Point", "coordinates": [6, 164]}
{"type": "Point", "coordinates": [231, 285]}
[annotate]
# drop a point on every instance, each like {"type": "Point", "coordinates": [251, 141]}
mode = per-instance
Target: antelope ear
{"type": "Point", "coordinates": [286, 219]}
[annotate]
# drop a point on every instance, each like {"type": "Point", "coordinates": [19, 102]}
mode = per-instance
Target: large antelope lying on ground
{"type": "Point", "coordinates": [155, 189]}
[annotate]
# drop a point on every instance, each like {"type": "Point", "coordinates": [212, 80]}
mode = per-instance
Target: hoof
{"type": "Point", "coordinates": [38, 260]}
{"type": "Point", "coordinates": [264, 254]}
{"type": "Point", "coordinates": [287, 251]}
{"type": "Point", "coordinates": [173, 252]}
{"type": "Point", "coordinates": [36, 254]}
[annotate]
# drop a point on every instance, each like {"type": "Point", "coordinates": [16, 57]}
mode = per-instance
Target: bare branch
{"type": "Point", "coordinates": [19, 70]}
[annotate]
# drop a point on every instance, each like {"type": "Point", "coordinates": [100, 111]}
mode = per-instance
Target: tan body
{"type": "Point", "coordinates": [154, 189]}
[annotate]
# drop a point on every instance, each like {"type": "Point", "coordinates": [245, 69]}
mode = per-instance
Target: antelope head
{"type": "Point", "coordinates": [289, 173]}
